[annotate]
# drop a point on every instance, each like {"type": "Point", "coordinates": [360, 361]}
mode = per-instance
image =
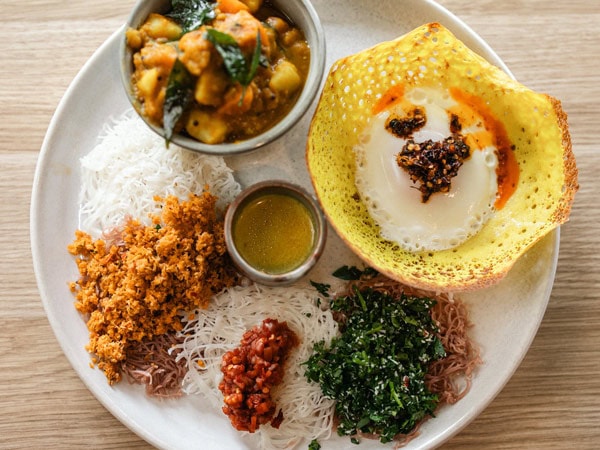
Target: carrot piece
{"type": "Point", "coordinates": [237, 100]}
{"type": "Point", "coordinates": [231, 6]}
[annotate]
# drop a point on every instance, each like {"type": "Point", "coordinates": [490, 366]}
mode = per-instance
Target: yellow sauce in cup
{"type": "Point", "coordinates": [274, 232]}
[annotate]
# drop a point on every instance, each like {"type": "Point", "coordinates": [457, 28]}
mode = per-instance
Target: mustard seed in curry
{"type": "Point", "coordinates": [241, 66]}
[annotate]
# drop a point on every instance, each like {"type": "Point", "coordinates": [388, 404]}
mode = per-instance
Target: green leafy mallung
{"type": "Point", "coordinates": [375, 370]}
{"type": "Point", "coordinates": [191, 14]}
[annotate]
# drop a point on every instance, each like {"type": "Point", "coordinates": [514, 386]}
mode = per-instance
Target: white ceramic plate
{"type": "Point", "coordinates": [506, 316]}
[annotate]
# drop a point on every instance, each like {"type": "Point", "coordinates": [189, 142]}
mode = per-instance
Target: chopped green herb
{"type": "Point", "coordinates": [370, 272]}
{"type": "Point", "coordinates": [439, 350]}
{"type": "Point", "coordinates": [236, 65]}
{"type": "Point", "coordinates": [348, 273]}
{"type": "Point", "coordinates": [352, 273]}
{"type": "Point", "coordinates": [180, 92]}
{"type": "Point", "coordinates": [314, 445]}
{"type": "Point", "coordinates": [191, 14]}
{"type": "Point", "coordinates": [376, 369]}
{"type": "Point", "coordinates": [321, 288]}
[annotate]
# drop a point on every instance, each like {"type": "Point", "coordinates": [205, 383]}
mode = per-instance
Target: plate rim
{"type": "Point", "coordinates": [36, 242]}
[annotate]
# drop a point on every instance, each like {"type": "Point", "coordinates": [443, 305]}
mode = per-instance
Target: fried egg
{"type": "Point", "coordinates": [516, 184]}
{"type": "Point", "coordinates": [446, 219]}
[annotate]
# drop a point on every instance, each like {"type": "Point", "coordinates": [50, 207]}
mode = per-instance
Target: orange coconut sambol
{"type": "Point", "coordinates": [135, 281]}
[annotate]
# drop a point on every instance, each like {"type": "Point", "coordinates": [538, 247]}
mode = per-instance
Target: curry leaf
{"type": "Point", "coordinates": [192, 14]}
{"type": "Point", "coordinates": [228, 48]}
{"type": "Point", "coordinates": [235, 63]}
{"type": "Point", "coordinates": [321, 288]}
{"type": "Point", "coordinates": [180, 91]}
{"type": "Point", "coordinates": [349, 273]}
{"type": "Point", "coordinates": [256, 59]}
{"type": "Point", "coordinates": [353, 273]}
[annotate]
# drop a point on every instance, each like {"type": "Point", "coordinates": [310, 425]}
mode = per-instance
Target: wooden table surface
{"type": "Point", "coordinates": [552, 401]}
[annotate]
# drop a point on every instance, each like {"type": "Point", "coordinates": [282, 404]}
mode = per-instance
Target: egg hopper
{"type": "Point", "coordinates": [535, 123]}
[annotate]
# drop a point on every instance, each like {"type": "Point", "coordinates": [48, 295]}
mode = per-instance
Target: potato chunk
{"type": "Point", "coordinates": [211, 86]}
{"type": "Point", "coordinates": [158, 26]}
{"type": "Point", "coordinates": [152, 67]}
{"type": "Point", "coordinates": [206, 127]}
{"type": "Point", "coordinates": [253, 5]}
{"type": "Point", "coordinates": [285, 79]}
{"type": "Point", "coordinates": [148, 82]}
{"type": "Point", "coordinates": [134, 38]}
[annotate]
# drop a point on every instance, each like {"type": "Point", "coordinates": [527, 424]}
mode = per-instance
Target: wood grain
{"type": "Point", "coordinates": [552, 401]}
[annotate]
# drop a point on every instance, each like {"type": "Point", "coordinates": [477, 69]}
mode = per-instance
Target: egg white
{"type": "Point", "coordinates": [447, 219]}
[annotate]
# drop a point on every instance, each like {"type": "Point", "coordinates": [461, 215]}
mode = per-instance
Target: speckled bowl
{"type": "Point", "coordinates": [533, 122]}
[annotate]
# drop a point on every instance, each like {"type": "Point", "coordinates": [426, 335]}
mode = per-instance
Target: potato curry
{"type": "Point", "coordinates": [219, 71]}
